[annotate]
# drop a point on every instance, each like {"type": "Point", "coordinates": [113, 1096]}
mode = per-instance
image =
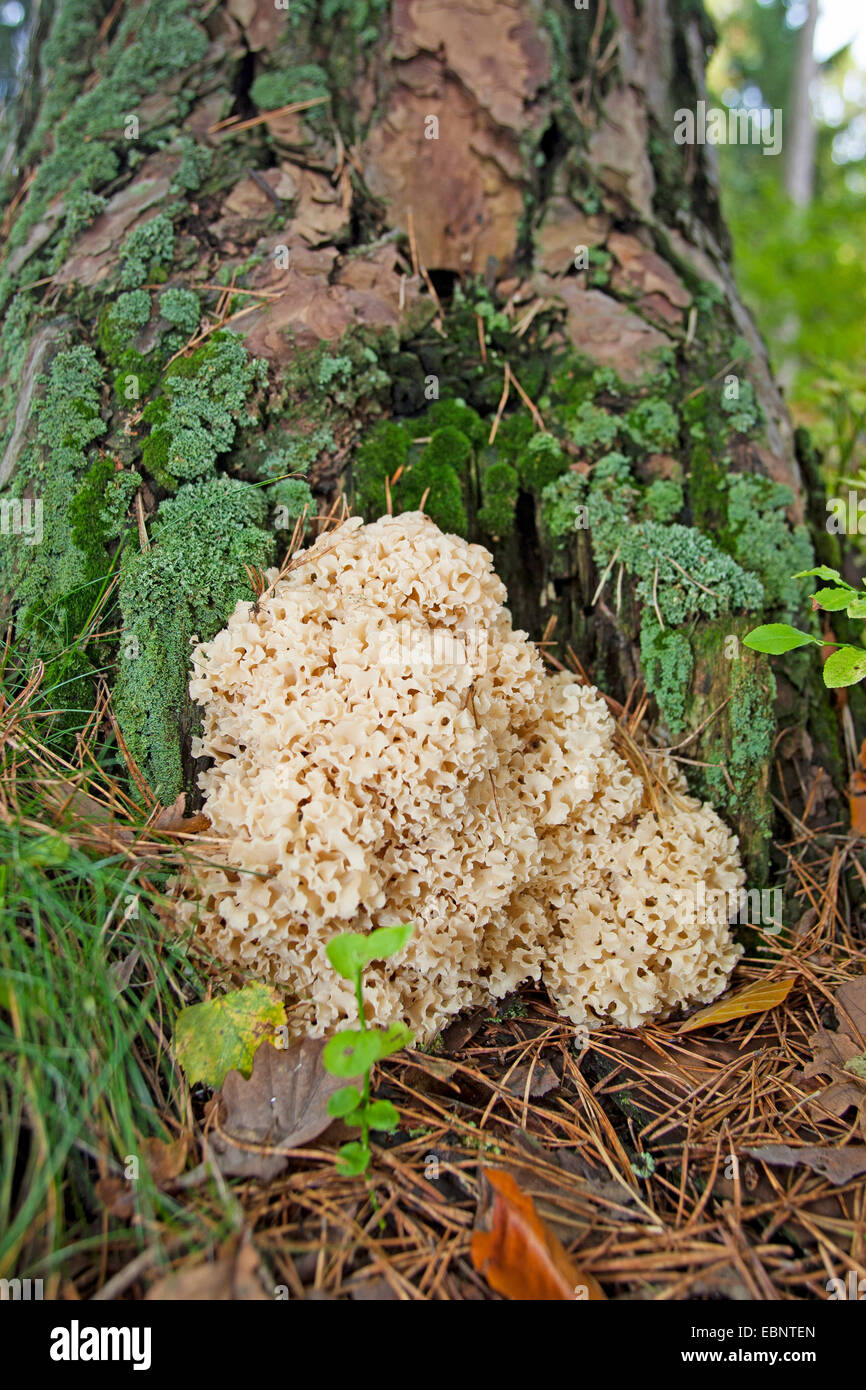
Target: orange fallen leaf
{"type": "Point", "coordinates": [517, 1253]}
{"type": "Point", "coordinates": [857, 793]}
{"type": "Point", "coordinates": [754, 999]}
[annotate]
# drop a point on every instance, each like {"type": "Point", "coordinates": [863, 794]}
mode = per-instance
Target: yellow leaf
{"type": "Point", "coordinates": [223, 1034]}
{"type": "Point", "coordinates": [754, 999]}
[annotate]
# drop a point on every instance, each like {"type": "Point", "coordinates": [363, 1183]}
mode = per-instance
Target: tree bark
{"type": "Point", "coordinates": [478, 195]}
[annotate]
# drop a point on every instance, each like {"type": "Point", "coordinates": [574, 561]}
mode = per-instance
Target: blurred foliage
{"type": "Point", "coordinates": [799, 268]}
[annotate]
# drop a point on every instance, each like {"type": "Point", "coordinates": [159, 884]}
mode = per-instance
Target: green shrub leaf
{"type": "Point", "coordinates": [833, 600]}
{"type": "Point", "coordinates": [776, 638]}
{"type": "Point", "coordinates": [821, 572]}
{"type": "Point", "coordinates": [846, 666]}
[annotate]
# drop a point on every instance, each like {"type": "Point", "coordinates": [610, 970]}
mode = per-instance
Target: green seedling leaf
{"type": "Point", "coordinates": [857, 607]}
{"type": "Point", "coordinates": [346, 954]}
{"type": "Point", "coordinates": [777, 637]}
{"type": "Point", "coordinates": [846, 666]}
{"type": "Point", "coordinates": [821, 572]}
{"type": "Point", "coordinates": [351, 951]}
{"type": "Point", "coordinates": [344, 1101]}
{"type": "Point", "coordinates": [832, 600]}
{"type": "Point", "coordinates": [352, 1052]}
{"type": "Point", "coordinates": [354, 1159]}
{"type": "Point", "coordinates": [381, 1114]}
{"type": "Point", "coordinates": [387, 941]}
{"type": "Point", "coordinates": [394, 1039]}
{"type": "Point", "coordinates": [222, 1035]}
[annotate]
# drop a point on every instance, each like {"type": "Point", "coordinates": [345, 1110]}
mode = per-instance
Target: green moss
{"type": "Point", "coordinates": [273, 89]}
{"type": "Point", "coordinates": [760, 537]}
{"type": "Point", "coordinates": [653, 425]}
{"type": "Point", "coordinates": [561, 502]}
{"type": "Point", "coordinates": [292, 498]}
{"type": "Point", "coordinates": [196, 420]}
{"type": "Point", "coordinates": [362, 17]}
{"type": "Point", "coordinates": [689, 574]}
{"type": "Point", "coordinates": [382, 453]}
{"type": "Point", "coordinates": [195, 165]}
{"type": "Point", "coordinates": [541, 463]}
{"type": "Point", "coordinates": [56, 582]}
{"type": "Point", "coordinates": [595, 429]}
{"type": "Point", "coordinates": [136, 375]}
{"type": "Point", "coordinates": [667, 663]}
{"type": "Point", "coordinates": [182, 308]}
{"type": "Point", "coordinates": [438, 474]}
{"type": "Point", "coordinates": [748, 749]}
{"type": "Point", "coordinates": [337, 381]}
{"type": "Point", "coordinates": [499, 487]}
{"type": "Point", "coordinates": [742, 409]}
{"type": "Point", "coordinates": [664, 499]}
{"type": "Point", "coordinates": [83, 131]}
{"type": "Point", "coordinates": [147, 252]}
{"type": "Point", "coordinates": [452, 411]}
{"type": "Point", "coordinates": [185, 585]}
{"type": "Point", "coordinates": [98, 512]}
{"type": "Point", "coordinates": [121, 321]}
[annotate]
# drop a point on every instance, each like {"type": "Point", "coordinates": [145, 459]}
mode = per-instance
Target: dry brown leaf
{"type": "Point", "coordinates": [235, 1276]}
{"type": "Point", "coordinates": [543, 1079]}
{"type": "Point", "coordinates": [840, 1056]}
{"type": "Point", "coordinates": [283, 1106]}
{"type": "Point", "coordinates": [756, 998]}
{"type": "Point", "coordinates": [165, 1160]}
{"type": "Point", "coordinates": [857, 793]}
{"type": "Point", "coordinates": [517, 1252]}
{"type": "Point", "coordinates": [839, 1166]}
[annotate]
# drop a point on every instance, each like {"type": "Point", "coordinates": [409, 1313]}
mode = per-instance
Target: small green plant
{"type": "Point", "coordinates": [845, 666]}
{"type": "Point", "coordinates": [353, 1052]}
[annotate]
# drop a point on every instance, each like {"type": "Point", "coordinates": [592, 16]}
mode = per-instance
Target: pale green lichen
{"type": "Point", "coordinates": [204, 402]}
{"type": "Point", "coordinates": [186, 584]}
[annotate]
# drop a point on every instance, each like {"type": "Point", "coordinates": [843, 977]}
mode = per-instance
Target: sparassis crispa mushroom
{"type": "Point", "coordinates": [386, 747]}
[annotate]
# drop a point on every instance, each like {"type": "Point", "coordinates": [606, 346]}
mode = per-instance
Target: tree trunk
{"type": "Point", "coordinates": [474, 197]}
{"type": "Point", "coordinates": [800, 154]}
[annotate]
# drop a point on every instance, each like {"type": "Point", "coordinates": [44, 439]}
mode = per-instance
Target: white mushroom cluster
{"type": "Point", "coordinates": [387, 748]}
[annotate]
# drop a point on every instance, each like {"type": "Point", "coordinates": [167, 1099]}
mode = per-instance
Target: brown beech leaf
{"type": "Point", "coordinates": [754, 999]}
{"type": "Point", "coordinates": [235, 1276]}
{"type": "Point", "coordinates": [517, 1253]}
{"type": "Point", "coordinates": [857, 793]}
{"type": "Point", "coordinates": [283, 1106]}
{"type": "Point", "coordinates": [842, 1056]}
{"type": "Point", "coordinates": [838, 1165]}
{"type": "Point", "coordinates": [165, 1159]}
{"type": "Point", "coordinates": [542, 1078]}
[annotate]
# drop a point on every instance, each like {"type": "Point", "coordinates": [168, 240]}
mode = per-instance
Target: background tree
{"type": "Point", "coordinates": [798, 265]}
{"type": "Point", "coordinates": [258, 256]}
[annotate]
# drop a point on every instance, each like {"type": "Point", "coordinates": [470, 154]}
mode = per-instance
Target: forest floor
{"type": "Point", "coordinates": [712, 1160]}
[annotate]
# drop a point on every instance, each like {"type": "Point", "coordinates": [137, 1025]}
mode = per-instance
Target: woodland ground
{"type": "Point", "coordinates": [638, 1148]}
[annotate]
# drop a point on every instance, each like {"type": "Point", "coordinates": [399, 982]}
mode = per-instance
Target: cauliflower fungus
{"type": "Point", "coordinates": [387, 748]}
